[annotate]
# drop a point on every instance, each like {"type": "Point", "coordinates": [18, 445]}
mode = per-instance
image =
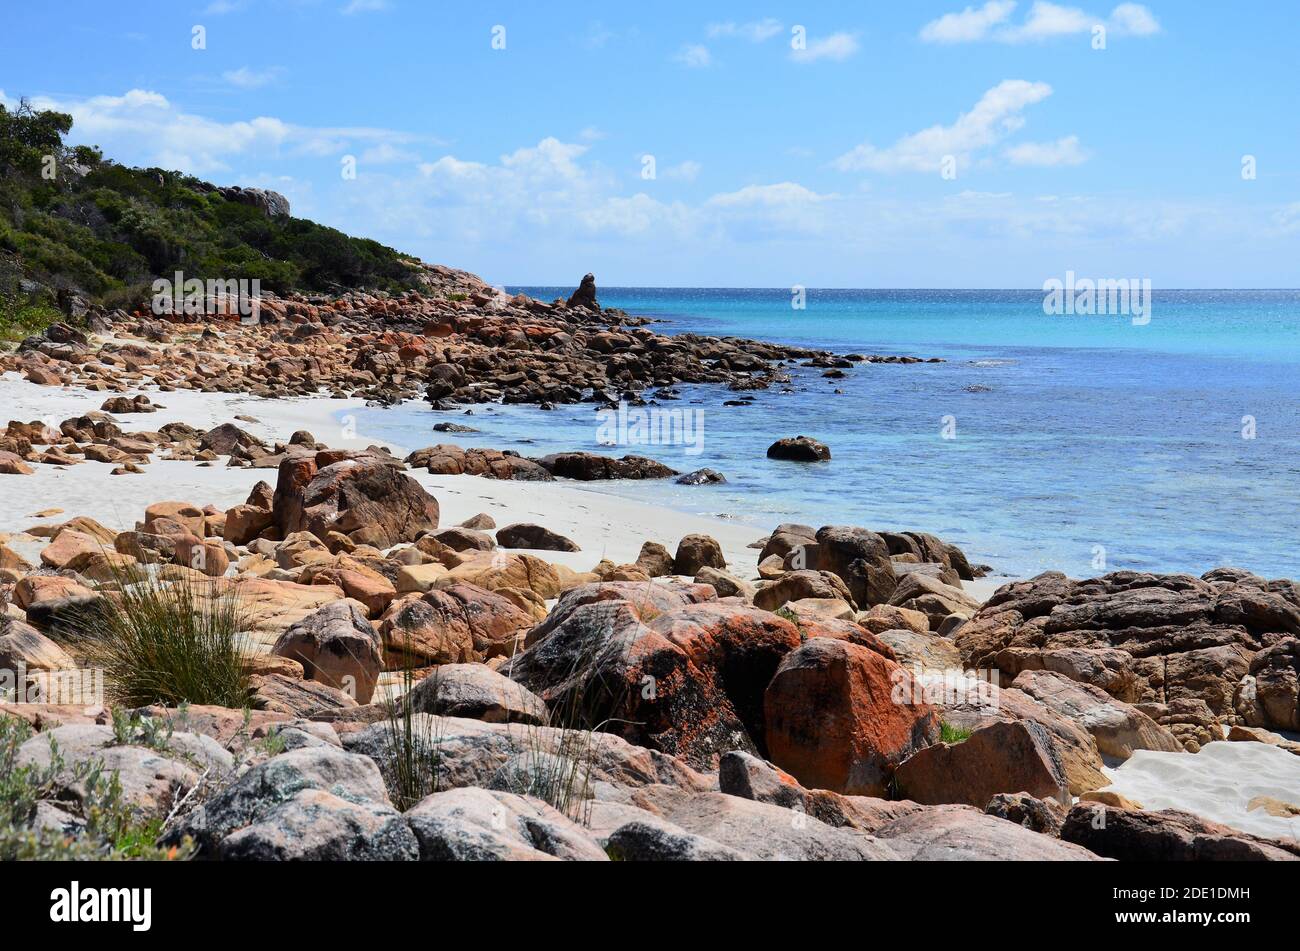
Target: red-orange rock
{"type": "Point", "coordinates": [839, 716]}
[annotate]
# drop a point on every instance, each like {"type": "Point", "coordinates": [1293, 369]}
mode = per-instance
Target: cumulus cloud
{"type": "Point", "coordinates": [144, 127]}
{"type": "Point", "coordinates": [248, 78]}
{"type": "Point", "coordinates": [969, 25]}
{"type": "Point", "coordinates": [686, 171]}
{"type": "Point", "coordinates": [694, 55]}
{"type": "Point", "coordinates": [836, 47]}
{"type": "Point", "coordinates": [758, 31]}
{"type": "Point", "coordinates": [1064, 151]}
{"type": "Point", "coordinates": [1044, 21]}
{"type": "Point", "coordinates": [998, 114]}
{"type": "Point", "coordinates": [364, 6]}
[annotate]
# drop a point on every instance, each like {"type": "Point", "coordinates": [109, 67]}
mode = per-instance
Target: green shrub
{"type": "Point", "coordinates": [110, 828]}
{"type": "Point", "coordinates": [169, 643]}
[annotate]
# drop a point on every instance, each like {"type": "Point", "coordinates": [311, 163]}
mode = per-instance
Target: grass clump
{"type": "Point", "coordinates": [413, 745]}
{"type": "Point", "coordinates": [953, 734]}
{"type": "Point", "coordinates": [169, 643]}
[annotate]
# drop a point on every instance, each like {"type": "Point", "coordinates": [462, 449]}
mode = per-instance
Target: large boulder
{"type": "Point", "coordinates": [22, 647]}
{"type": "Point", "coordinates": [1118, 728]}
{"type": "Point", "coordinates": [527, 535]}
{"type": "Point", "coordinates": [695, 552]}
{"type": "Point", "coordinates": [494, 571]}
{"type": "Point", "coordinates": [480, 753]}
{"type": "Point", "coordinates": [747, 828]}
{"type": "Point", "coordinates": [835, 719]}
{"type": "Point", "coordinates": [588, 467]}
{"type": "Point", "coordinates": [861, 558]}
{"type": "Point", "coordinates": [459, 623]}
{"type": "Point", "coordinates": [369, 500]}
{"type": "Point", "coordinates": [315, 803]}
{"type": "Point", "coordinates": [687, 680]}
{"type": "Point", "coordinates": [480, 825]}
{"type": "Point", "coordinates": [337, 646]}
{"type": "Point", "coordinates": [798, 585]}
{"type": "Point", "coordinates": [799, 449]}
{"type": "Point", "coordinates": [958, 833]}
{"type": "Point", "coordinates": [1270, 695]}
{"type": "Point", "coordinates": [152, 780]}
{"type": "Point", "coordinates": [1157, 638]}
{"type": "Point", "coordinates": [477, 692]}
{"type": "Point", "coordinates": [1003, 757]}
{"type": "Point", "coordinates": [1134, 835]}
{"type": "Point", "coordinates": [977, 705]}
{"type": "Point", "coordinates": [585, 295]}
{"type": "Point", "coordinates": [935, 599]}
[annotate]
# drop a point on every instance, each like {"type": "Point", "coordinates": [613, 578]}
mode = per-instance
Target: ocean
{"type": "Point", "coordinates": [1078, 443]}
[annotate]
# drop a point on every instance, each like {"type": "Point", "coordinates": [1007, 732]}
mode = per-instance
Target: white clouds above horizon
{"type": "Point", "coordinates": [1064, 151]}
{"type": "Point", "coordinates": [354, 7]}
{"type": "Point", "coordinates": [694, 56]}
{"type": "Point", "coordinates": [997, 114]}
{"type": "Point", "coordinates": [537, 209]}
{"type": "Point", "coordinates": [835, 47]}
{"type": "Point", "coordinates": [1044, 21]}
{"type": "Point", "coordinates": [758, 31]}
{"type": "Point", "coordinates": [969, 25]}
{"type": "Point", "coordinates": [248, 78]}
{"type": "Point", "coordinates": [152, 130]}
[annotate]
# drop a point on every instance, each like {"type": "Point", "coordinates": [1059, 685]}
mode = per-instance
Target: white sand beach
{"type": "Point", "coordinates": [1224, 782]}
{"type": "Point", "coordinates": [604, 526]}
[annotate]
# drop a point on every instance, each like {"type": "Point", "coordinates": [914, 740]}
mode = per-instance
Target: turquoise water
{"type": "Point", "coordinates": [1077, 438]}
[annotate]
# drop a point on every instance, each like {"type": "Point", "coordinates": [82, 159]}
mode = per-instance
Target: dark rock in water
{"type": "Point", "coordinates": [588, 467]}
{"type": "Point", "coordinates": [799, 449]}
{"type": "Point", "coordinates": [585, 295]}
{"type": "Point", "coordinates": [453, 428]}
{"type": "Point", "coordinates": [701, 477]}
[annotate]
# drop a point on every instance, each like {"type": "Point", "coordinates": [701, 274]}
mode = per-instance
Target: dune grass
{"type": "Point", "coordinates": [166, 642]}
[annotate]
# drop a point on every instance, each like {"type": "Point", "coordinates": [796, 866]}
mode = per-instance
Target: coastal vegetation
{"type": "Point", "coordinates": [74, 223]}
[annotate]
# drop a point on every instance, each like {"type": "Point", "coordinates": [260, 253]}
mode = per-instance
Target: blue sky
{"type": "Point", "coordinates": [773, 165]}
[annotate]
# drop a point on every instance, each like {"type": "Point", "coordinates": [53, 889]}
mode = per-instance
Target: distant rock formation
{"type": "Point", "coordinates": [585, 295]}
{"type": "Point", "coordinates": [272, 204]}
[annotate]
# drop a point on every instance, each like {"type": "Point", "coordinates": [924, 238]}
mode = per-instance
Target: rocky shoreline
{"type": "Point", "coordinates": [835, 692]}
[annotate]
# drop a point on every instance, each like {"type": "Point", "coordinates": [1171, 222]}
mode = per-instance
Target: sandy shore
{"type": "Point", "coordinates": [604, 526]}
{"type": "Point", "coordinates": [1225, 782]}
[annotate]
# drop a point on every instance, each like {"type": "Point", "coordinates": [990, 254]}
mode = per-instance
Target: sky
{"type": "Point", "coordinates": [828, 144]}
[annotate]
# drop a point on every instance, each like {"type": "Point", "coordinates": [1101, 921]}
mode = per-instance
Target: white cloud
{"type": "Point", "coordinates": [969, 25]}
{"type": "Point", "coordinates": [1048, 20]}
{"type": "Point", "coordinates": [836, 47]}
{"type": "Point", "coordinates": [1044, 21]}
{"type": "Point", "coordinates": [364, 6]}
{"type": "Point", "coordinates": [1133, 19]}
{"type": "Point", "coordinates": [1064, 151]}
{"type": "Point", "coordinates": [997, 115]}
{"type": "Point", "coordinates": [694, 55]}
{"type": "Point", "coordinates": [143, 127]}
{"type": "Point", "coordinates": [248, 78]}
{"type": "Point", "coordinates": [386, 153]}
{"type": "Point", "coordinates": [758, 31]}
{"type": "Point", "coordinates": [686, 171]}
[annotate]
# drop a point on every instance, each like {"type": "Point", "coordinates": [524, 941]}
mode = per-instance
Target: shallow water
{"type": "Point", "coordinates": [1081, 443]}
